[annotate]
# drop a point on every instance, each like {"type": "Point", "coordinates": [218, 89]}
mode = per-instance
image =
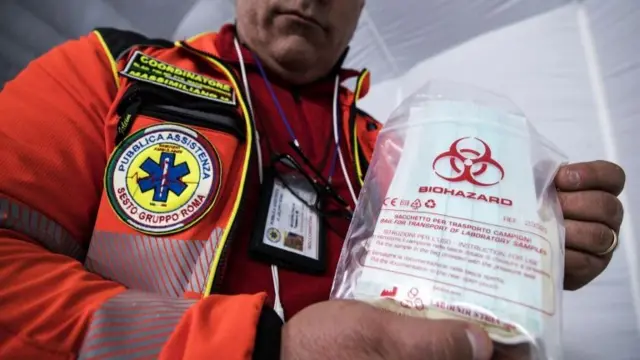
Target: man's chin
{"type": "Point", "coordinates": [294, 53]}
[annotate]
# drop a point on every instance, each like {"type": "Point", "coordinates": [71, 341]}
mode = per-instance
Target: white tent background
{"type": "Point", "coordinates": [572, 66]}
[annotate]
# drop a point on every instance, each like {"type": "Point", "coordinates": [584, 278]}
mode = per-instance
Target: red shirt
{"type": "Point", "coordinates": [309, 112]}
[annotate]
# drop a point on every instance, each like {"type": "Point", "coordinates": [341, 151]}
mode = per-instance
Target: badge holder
{"type": "Point", "coordinates": [289, 233]}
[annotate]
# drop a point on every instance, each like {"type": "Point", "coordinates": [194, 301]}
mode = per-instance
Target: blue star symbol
{"type": "Point", "coordinates": [164, 177]}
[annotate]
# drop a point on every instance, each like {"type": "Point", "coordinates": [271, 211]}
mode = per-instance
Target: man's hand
{"type": "Point", "coordinates": [588, 195]}
{"type": "Point", "coordinates": [352, 330]}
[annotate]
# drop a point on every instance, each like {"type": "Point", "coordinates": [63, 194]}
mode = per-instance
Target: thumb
{"type": "Point", "coordinates": [453, 340]}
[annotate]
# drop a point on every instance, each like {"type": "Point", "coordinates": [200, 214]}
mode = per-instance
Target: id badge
{"type": "Point", "coordinates": [289, 233]}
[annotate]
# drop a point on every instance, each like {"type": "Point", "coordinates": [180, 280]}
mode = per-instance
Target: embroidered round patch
{"type": "Point", "coordinates": [163, 179]}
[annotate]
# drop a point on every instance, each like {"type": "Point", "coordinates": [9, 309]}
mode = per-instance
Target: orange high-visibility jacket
{"type": "Point", "coordinates": [94, 265]}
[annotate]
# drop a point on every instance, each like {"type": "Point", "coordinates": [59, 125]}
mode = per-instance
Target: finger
{"type": "Point", "coordinates": [590, 237]}
{"type": "Point", "coordinates": [593, 206]}
{"type": "Point", "coordinates": [448, 340]}
{"type": "Point", "coordinates": [580, 268]}
{"type": "Point", "coordinates": [595, 175]}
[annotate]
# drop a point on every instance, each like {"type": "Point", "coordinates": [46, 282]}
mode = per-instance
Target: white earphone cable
{"type": "Point", "coordinates": [245, 82]}
{"type": "Point", "coordinates": [277, 304]}
{"type": "Point", "coordinates": [337, 141]}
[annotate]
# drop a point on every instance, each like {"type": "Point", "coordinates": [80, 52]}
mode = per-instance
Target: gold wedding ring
{"type": "Point", "coordinates": [613, 246]}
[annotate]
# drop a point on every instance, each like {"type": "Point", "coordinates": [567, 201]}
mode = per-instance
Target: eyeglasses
{"type": "Point", "coordinates": [316, 193]}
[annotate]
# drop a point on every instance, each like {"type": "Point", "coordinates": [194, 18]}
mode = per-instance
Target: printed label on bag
{"type": "Point", "coordinates": [460, 234]}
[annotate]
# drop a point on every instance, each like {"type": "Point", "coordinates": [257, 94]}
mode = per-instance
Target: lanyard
{"type": "Point", "coordinates": [283, 117]}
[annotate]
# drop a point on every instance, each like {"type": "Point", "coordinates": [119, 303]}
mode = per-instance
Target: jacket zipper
{"type": "Point", "coordinates": [126, 120]}
{"type": "Point", "coordinates": [177, 116]}
{"type": "Point", "coordinates": [133, 107]}
{"type": "Point", "coordinates": [224, 255]}
{"type": "Point", "coordinates": [222, 265]}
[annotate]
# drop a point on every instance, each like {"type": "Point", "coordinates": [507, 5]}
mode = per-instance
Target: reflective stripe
{"type": "Point", "coordinates": [363, 79]}
{"type": "Point", "coordinates": [159, 265]}
{"type": "Point", "coordinates": [132, 325]}
{"type": "Point", "coordinates": [23, 219]}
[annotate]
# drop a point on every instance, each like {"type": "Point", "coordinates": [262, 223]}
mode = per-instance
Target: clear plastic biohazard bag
{"type": "Point", "coordinates": [459, 218]}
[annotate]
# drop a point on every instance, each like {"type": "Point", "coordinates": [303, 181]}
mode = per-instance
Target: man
{"type": "Point", "coordinates": [135, 174]}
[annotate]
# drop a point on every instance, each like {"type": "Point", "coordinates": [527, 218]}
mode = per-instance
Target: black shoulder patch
{"type": "Point", "coordinates": [148, 69]}
{"type": "Point", "coordinates": [118, 42]}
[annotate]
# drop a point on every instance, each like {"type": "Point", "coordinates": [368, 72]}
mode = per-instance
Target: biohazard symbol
{"type": "Point", "coordinates": [468, 164]}
{"type": "Point", "coordinates": [430, 204]}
